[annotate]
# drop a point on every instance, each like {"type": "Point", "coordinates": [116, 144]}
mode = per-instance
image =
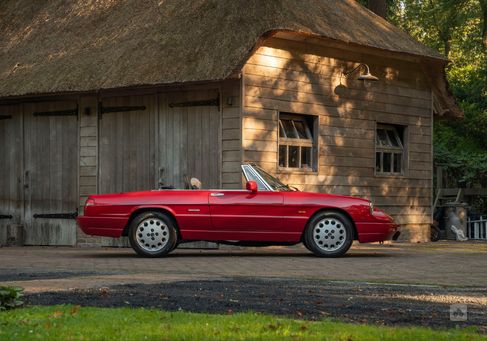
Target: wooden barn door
{"type": "Point", "coordinates": [127, 144]}
{"type": "Point", "coordinates": [11, 205]}
{"type": "Point", "coordinates": [189, 138]}
{"type": "Point", "coordinates": [50, 178]}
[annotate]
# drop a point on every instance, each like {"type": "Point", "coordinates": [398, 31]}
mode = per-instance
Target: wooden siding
{"type": "Point", "coordinates": [88, 152]}
{"type": "Point", "coordinates": [11, 187]}
{"type": "Point", "coordinates": [127, 145]}
{"type": "Point", "coordinates": [189, 138]}
{"type": "Point", "coordinates": [300, 78]}
{"type": "Point", "coordinates": [39, 161]}
{"type": "Point", "coordinates": [231, 139]}
{"type": "Point", "coordinates": [50, 173]}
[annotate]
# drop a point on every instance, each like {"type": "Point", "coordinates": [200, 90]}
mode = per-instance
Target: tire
{"type": "Point", "coordinates": [174, 247]}
{"type": "Point", "coordinates": [329, 234]}
{"type": "Point", "coordinates": [435, 233]}
{"type": "Point", "coordinates": [152, 234]}
{"type": "Point", "coordinates": [306, 245]}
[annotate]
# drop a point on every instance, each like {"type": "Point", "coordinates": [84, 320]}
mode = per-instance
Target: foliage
{"type": "Point", "coordinates": [10, 298]}
{"type": "Point", "coordinates": [76, 323]}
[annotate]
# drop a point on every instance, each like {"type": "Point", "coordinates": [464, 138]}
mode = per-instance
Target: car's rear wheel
{"type": "Point", "coordinates": [152, 234]}
{"type": "Point", "coordinates": [329, 234]}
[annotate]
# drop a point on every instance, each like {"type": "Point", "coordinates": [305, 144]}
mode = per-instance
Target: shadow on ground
{"type": "Point", "coordinates": [308, 299]}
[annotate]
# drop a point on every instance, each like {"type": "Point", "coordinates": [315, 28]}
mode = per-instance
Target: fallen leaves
{"type": "Point", "coordinates": [56, 314]}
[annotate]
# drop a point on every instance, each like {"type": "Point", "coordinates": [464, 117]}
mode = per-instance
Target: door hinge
{"type": "Point", "coordinates": [106, 110]}
{"type": "Point", "coordinates": [200, 103]}
{"type": "Point", "coordinates": [5, 216]}
{"type": "Point", "coordinates": [70, 112]}
{"type": "Point", "coordinates": [71, 215]}
{"type": "Point", "coordinates": [5, 117]}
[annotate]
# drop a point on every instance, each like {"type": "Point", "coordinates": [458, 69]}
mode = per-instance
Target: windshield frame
{"type": "Point", "coordinates": [261, 175]}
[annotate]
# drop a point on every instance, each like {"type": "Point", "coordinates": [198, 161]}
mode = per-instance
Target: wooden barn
{"type": "Point", "coordinates": [109, 96]}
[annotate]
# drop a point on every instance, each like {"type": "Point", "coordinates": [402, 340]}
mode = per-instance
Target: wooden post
{"type": "Point", "coordinates": [439, 177]}
{"type": "Point", "coordinates": [88, 165]}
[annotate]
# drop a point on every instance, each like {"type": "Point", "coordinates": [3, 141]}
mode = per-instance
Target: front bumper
{"type": "Point", "coordinates": [377, 231]}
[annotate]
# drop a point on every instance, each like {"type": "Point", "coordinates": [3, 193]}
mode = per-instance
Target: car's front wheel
{"type": "Point", "coordinates": [152, 234]}
{"type": "Point", "coordinates": [329, 234]}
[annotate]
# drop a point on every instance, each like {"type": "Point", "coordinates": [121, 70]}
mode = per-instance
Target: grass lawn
{"type": "Point", "coordinates": [75, 323]}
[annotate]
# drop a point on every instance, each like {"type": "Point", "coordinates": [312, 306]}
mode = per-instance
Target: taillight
{"type": "Point", "coordinates": [90, 202]}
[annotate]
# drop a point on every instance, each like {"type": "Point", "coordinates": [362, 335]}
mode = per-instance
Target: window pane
{"type": "Point", "coordinates": [378, 167]}
{"type": "Point", "coordinates": [387, 159]}
{"type": "Point", "coordinates": [293, 157]}
{"type": "Point", "coordinates": [306, 157]}
{"type": "Point", "coordinates": [393, 138]}
{"type": "Point", "coordinates": [397, 163]}
{"type": "Point", "coordinates": [382, 138]}
{"type": "Point", "coordinates": [289, 129]}
{"type": "Point", "coordinates": [282, 156]}
{"type": "Point", "coordinates": [301, 128]}
{"type": "Point", "coordinates": [281, 130]}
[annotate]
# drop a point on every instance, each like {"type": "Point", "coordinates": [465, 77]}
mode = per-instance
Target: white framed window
{"type": "Point", "coordinates": [390, 149]}
{"type": "Point", "coordinates": [297, 146]}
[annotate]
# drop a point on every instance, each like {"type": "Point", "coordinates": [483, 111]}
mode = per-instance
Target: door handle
{"type": "Point", "coordinates": [217, 194]}
{"type": "Point", "coordinates": [26, 179]}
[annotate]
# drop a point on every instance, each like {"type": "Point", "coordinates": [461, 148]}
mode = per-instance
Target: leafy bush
{"type": "Point", "coordinates": [11, 297]}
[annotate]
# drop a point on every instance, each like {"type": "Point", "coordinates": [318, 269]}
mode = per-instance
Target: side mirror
{"type": "Point", "coordinates": [252, 186]}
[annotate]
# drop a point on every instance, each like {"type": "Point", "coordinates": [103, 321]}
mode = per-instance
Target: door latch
{"type": "Point", "coordinates": [217, 194]}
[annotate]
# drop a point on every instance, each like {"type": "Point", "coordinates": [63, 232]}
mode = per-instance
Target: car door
{"type": "Point", "coordinates": [246, 215]}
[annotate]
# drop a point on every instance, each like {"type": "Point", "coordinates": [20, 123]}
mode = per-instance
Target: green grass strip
{"type": "Point", "coordinates": [86, 323]}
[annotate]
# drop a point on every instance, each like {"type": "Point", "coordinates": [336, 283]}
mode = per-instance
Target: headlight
{"type": "Point", "coordinates": [371, 207]}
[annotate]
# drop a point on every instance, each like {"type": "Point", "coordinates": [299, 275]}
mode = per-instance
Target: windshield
{"type": "Point", "coordinates": [273, 182]}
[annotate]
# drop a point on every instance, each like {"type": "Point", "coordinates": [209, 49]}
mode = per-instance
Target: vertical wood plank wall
{"type": "Point", "coordinates": [305, 79]}
{"type": "Point", "coordinates": [11, 186]}
{"type": "Point", "coordinates": [88, 154]}
{"type": "Point", "coordinates": [189, 138]}
{"type": "Point", "coordinates": [50, 172]}
{"type": "Point", "coordinates": [231, 134]}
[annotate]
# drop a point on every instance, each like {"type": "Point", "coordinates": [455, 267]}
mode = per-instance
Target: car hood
{"type": "Point", "coordinates": [327, 196]}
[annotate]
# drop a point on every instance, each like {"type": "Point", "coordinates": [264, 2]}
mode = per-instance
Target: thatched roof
{"type": "Point", "coordinates": [83, 45]}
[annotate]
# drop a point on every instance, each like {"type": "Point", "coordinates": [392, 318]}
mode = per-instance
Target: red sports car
{"type": "Point", "coordinates": [267, 212]}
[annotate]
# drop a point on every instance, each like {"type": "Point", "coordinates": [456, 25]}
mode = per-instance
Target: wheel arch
{"type": "Point", "coordinates": [332, 209]}
{"type": "Point", "coordinates": [164, 210]}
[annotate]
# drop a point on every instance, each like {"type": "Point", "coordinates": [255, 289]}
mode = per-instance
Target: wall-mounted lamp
{"type": "Point", "coordinates": [367, 76]}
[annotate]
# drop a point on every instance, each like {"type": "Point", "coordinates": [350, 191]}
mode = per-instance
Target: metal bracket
{"type": "Point", "coordinates": [70, 112]}
{"type": "Point", "coordinates": [106, 110]}
{"type": "Point", "coordinates": [201, 103]}
{"type": "Point", "coordinates": [5, 117]}
{"type": "Point", "coordinates": [72, 215]}
{"type": "Point", "coordinates": [5, 216]}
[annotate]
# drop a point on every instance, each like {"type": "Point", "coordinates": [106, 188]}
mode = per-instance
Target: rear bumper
{"type": "Point", "coordinates": [102, 226]}
{"type": "Point", "coordinates": [377, 231]}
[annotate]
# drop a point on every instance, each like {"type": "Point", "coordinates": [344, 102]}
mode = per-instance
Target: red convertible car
{"type": "Point", "coordinates": [267, 212]}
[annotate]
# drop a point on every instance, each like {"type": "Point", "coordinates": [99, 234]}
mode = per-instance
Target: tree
{"type": "Point", "coordinates": [483, 6]}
